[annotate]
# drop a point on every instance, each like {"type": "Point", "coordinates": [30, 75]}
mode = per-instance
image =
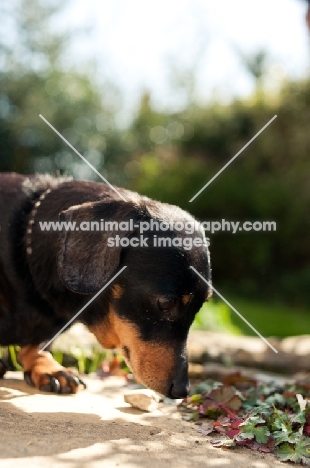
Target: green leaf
{"type": "Point", "coordinates": [284, 436]}
{"type": "Point", "coordinates": [197, 398]}
{"type": "Point", "coordinates": [261, 409]}
{"type": "Point", "coordinates": [276, 399]}
{"type": "Point", "coordinates": [298, 454]}
{"type": "Point", "coordinates": [250, 430]}
{"type": "Point", "coordinates": [300, 417]}
{"type": "Point", "coordinates": [207, 386]}
{"type": "Point", "coordinates": [251, 421]}
{"type": "Point", "coordinates": [260, 433]}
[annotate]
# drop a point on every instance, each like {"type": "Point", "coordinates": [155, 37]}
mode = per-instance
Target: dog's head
{"type": "Point", "coordinates": [151, 305]}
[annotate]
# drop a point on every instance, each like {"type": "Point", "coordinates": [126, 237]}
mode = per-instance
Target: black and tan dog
{"type": "Point", "coordinates": [47, 276]}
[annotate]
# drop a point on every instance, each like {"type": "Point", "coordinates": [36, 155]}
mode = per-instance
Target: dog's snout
{"type": "Point", "coordinates": [180, 385]}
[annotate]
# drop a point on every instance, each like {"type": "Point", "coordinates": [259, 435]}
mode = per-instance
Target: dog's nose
{"type": "Point", "coordinates": [179, 390]}
{"type": "Point", "coordinates": [180, 384]}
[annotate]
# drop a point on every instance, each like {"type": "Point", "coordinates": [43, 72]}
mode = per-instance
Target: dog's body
{"type": "Point", "coordinates": [46, 277]}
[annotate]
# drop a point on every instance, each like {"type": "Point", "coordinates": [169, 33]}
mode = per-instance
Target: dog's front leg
{"type": "Point", "coordinates": [43, 372]}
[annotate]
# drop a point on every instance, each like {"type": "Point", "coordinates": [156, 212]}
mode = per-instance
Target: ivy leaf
{"type": "Point", "coordinates": [269, 388]}
{"type": "Point", "coordinates": [252, 398]}
{"type": "Point", "coordinates": [250, 430]}
{"type": "Point", "coordinates": [275, 399]}
{"type": "Point", "coordinates": [221, 399]}
{"type": "Point", "coordinates": [252, 421]}
{"type": "Point", "coordinates": [261, 410]}
{"type": "Point", "coordinates": [264, 417]}
{"type": "Point", "coordinates": [260, 433]}
{"type": "Point", "coordinates": [284, 436]}
{"type": "Point", "coordinates": [207, 386]}
{"type": "Point", "coordinates": [226, 395]}
{"type": "Point", "coordinates": [298, 454]}
{"type": "Point", "coordinates": [300, 417]}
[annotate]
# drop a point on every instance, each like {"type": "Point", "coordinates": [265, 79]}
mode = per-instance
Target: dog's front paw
{"type": "Point", "coordinates": [61, 381]}
{"type": "Point", "coordinates": [43, 372]}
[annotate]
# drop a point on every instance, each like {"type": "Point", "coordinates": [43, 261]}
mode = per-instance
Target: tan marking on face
{"type": "Point", "coordinates": [152, 363]}
{"type": "Point", "coordinates": [185, 299]}
{"type": "Point", "coordinates": [105, 332]}
{"type": "Point", "coordinates": [117, 291]}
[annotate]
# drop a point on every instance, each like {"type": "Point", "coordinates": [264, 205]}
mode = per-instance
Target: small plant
{"type": "Point", "coordinates": [265, 417]}
{"type": "Point", "coordinates": [103, 363]}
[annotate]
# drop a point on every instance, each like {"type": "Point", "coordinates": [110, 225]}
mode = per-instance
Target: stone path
{"type": "Point", "coordinates": [96, 429]}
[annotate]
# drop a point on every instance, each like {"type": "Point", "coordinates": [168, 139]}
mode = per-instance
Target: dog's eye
{"type": "Point", "coordinates": [166, 304]}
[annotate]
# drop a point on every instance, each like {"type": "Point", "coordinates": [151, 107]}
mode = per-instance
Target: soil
{"type": "Point", "coordinates": [95, 428]}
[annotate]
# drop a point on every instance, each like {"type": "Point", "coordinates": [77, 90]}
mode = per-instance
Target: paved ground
{"type": "Point", "coordinates": [97, 429]}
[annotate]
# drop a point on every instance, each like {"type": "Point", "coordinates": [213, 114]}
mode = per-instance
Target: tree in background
{"type": "Point", "coordinates": [33, 81]}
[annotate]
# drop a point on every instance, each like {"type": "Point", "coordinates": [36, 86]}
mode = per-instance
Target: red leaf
{"type": "Point", "coordinates": [226, 396]}
{"type": "Point", "coordinates": [232, 433]}
{"type": "Point", "coordinates": [236, 423]}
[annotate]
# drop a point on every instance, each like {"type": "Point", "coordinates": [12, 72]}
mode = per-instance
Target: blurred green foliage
{"type": "Point", "coordinates": [102, 362]}
{"type": "Point", "coordinates": [216, 317]}
{"type": "Point", "coordinates": [169, 155]}
{"type": "Point", "coordinates": [273, 319]}
{"type": "Point", "coordinates": [269, 181]}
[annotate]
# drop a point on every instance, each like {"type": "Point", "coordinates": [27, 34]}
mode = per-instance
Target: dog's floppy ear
{"type": "Point", "coordinates": [85, 262]}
